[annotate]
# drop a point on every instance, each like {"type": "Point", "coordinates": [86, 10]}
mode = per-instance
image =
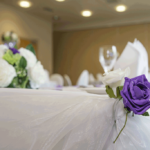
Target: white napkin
{"type": "Point", "coordinates": [134, 56]}
{"type": "Point", "coordinates": [83, 79]}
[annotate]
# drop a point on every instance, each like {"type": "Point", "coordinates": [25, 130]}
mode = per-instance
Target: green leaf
{"type": "Point", "coordinates": [145, 114]}
{"type": "Point", "coordinates": [19, 82]}
{"type": "Point", "coordinates": [110, 92]}
{"type": "Point", "coordinates": [24, 82]}
{"type": "Point", "coordinates": [16, 47]}
{"type": "Point", "coordinates": [31, 48]}
{"type": "Point", "coordinates": [118, 90]}
{"type": "Point", "coordinates": [22, 63]}
{"type": "Point", "coordinates": [127, 110]}
{"type": "Point", "coordinates": [11, 58]}
{"type": "Point", "coordinates": [7, 38]}
{"type": "Point", "coordinates": [8, 56]}
{"type": "Point", "coordinates": [28, 85]}
{"type": "Point", "coordinates": [14, 83]}
{"type": "Point", "coordinates": [16, 57]}
{"type": "Point", "coordinates": [20, 72]}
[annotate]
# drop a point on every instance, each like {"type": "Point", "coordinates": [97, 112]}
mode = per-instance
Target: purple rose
{"type": "Point", "coordinates": [14, 50]}
{"type": "Point", "coordinates": [136, 94]}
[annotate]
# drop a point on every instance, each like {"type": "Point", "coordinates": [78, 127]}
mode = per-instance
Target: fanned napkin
{"type": "Point", "coordinates": [83, 79]}
{"type": "Point", "coordinates": [134, 56]}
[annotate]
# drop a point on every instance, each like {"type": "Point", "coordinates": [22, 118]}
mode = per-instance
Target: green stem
{"type": "Point", "coordinates": [122, 128]}
{"type": "Point", "coordinates": [132, 114]}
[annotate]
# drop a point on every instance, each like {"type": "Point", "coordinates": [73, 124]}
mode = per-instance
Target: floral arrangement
{"type": "Point", "coordinates": [20, 68]}
{"type": "Point", "coordinates": [135, 92]}
{"type": "Point", "coordinates": [10, 39]}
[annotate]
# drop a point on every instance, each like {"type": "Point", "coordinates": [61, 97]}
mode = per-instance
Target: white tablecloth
{"type": "Point", "coordinates": [61, 120]}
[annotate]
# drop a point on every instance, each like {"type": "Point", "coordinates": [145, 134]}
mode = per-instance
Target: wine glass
{"type": "Point", "coordinates": [108, 57]}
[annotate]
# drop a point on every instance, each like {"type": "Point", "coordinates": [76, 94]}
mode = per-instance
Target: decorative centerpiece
{"type": "Point", "coordinates": [20, 68]}
{"type": "Point", "coordinates": [10, 39]}
{"type": "Point", "coordinates": [134, 93]}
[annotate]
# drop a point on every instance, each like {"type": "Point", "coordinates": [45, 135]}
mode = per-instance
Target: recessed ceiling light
{"type": "Point", "coordinates": [121, 8]}
{"type": "Point", "coordinates": [25, 4]}
{"type": "Point", "coordinates": [60, 0]}
{"type": "Point", "coordinates": [86, 13]}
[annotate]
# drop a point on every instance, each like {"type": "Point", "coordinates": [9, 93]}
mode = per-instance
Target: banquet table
{"type": "Point", "coordinates": [62, 120]}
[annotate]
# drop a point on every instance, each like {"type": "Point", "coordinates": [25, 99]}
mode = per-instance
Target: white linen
{"type": "Point", "coordinates": [95, 90]}
{"type": "Point", "coordinates": [57, 120]}
{"type": "Point", "coordinates": [72, 89]}
{"type": "Point", "coordinates": [49, 85]}
{"type": "Point", "coordinates": [134, 56]}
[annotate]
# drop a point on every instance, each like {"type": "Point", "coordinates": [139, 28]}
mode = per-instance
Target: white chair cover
{"type": "Point", "coordinates": [48, 84]}
{"type": "Point", "coordinates": [67, 80]}
{"type": "Point", "coordinates": [58, 79]}
{"type": "Point", "coordinates": [134, 56]}
{"type": "Point", "coordinates": [83, 79]}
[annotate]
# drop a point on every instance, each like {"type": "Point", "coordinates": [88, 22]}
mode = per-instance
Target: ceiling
{"type": "Point", "coordinates": [103, 12]}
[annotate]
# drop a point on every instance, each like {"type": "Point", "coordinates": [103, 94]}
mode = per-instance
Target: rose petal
{"type": "Point", "coordinates": [138, 92]}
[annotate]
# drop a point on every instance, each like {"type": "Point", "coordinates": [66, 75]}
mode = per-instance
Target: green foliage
{"type": "Point", "coordinates": [127, 110]}
{"type": "Point", "coordinates": [14, 83]}
{"type": "Point", "coordinates": [31, 48]}
{"type": "Point", "coordinates": [20, 64]}
{"type": "Point", "coordinates": [21, 68]}
{"type": "Point", "coordinates": [20, 72]}
{"type": "Point", "coordinates": [28, 85]}
{"type": "Point", "coordinates": [118, 90]}
{"type": "Point", "coordinates": [110, 92]}
{"type": "Point", "coordinates": [11, 58]}
{"type": "Point", "coordinates": [23, 63]}
{"type": "Point", "coordinates": [7, 38]}
{"type": "Point", "coordinates": [16, 47]}
{"type": "Point", "coordinates": [19, 82]}
{"type": "Point", "coordinates": [24, 82]}
{"type": "Point", "coordinates": [145, 114]}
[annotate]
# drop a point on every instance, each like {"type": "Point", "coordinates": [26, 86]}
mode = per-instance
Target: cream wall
{"type": "Point", "coordinates": [30, 27]}
{"type": "Point", "coordinates": [75, 51]}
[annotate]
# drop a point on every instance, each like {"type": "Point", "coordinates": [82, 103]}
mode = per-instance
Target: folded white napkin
{"type": "Point", "coordinates": [134, 56]}
{"type": "Point", "coordinates": [83, 80]}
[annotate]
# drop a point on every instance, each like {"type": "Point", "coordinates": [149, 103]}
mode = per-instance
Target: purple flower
{"type": "Point", "coordinates": [14, 50]}
{"type": "Point", "coordinates": [136, 94]}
